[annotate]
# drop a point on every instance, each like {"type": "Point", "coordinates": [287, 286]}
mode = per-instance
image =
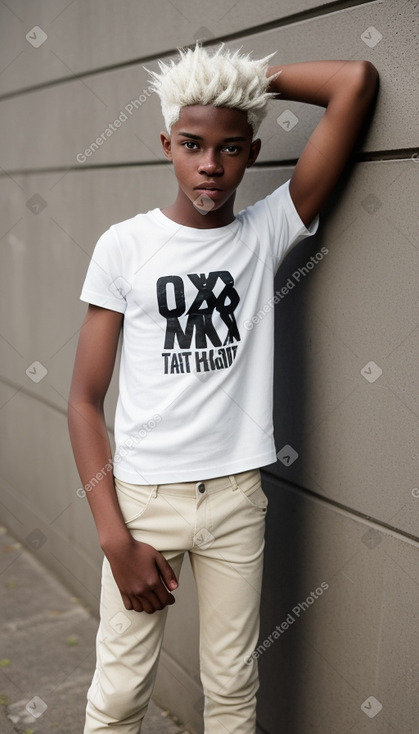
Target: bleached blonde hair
{"type": "Point", "coordinates": [221, 79]}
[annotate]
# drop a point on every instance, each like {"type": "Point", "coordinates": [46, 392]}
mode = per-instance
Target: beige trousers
{"type": "Point", "coordinates": [220, 523]}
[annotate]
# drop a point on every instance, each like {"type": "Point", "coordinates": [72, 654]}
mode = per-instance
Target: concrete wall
{"type": "Point", "coordinates": [344, 513]}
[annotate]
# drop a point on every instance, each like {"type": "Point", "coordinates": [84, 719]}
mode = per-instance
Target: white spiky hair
{"type": "Point", "coordinates": [221, 79]}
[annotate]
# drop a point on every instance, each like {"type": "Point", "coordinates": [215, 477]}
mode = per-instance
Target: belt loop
{"type": "Point", "coordinates": [234, 484]}
{"type": "Point", "coordinates": [155, 490]}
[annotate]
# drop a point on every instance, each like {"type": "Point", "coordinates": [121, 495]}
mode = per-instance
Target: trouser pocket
{"type": "Point", "coordinates": [134, 499]}
{"type": "Point", "coordinates": [253, 494]}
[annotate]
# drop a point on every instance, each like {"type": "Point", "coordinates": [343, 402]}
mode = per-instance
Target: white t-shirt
{"type": "Point", "coordinates": [196, 373]}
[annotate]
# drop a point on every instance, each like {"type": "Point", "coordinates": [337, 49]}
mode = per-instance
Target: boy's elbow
{"type": "Point", "coordinates": [85, 403]}
{"type": "Point", "coordinates": [366, 77]}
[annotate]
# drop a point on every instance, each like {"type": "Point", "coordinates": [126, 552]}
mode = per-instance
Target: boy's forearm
{"type": "Point", "coordinates": [346, 89]}
{"type": "Point", "coordinates": [318, 82]}
{"type": "Point", "coordinates": [144, 577]}
{"type": "Point", "coordinates": [91, 448]}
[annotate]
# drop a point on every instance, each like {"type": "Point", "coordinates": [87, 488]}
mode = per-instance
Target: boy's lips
{"type": "Point", "coordinates": [210, 191]}
{"type": "Point", "coordinates": [208, 187]}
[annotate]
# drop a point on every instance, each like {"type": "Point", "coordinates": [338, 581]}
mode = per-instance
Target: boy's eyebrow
{"type": "Point", "coordinates": [235, 139]}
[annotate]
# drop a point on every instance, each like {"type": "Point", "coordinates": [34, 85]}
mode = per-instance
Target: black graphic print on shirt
{"type": "Point", "coordinates": [192, 342]}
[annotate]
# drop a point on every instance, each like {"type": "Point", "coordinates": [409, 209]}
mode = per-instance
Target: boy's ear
{"type": "Point", "coordinates": [166, 145]}
{"type": "Point", "coordinates": [254, 151]}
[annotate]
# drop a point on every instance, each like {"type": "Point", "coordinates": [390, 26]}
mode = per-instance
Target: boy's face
{"type": "Point", "coordinates": [210, 148]}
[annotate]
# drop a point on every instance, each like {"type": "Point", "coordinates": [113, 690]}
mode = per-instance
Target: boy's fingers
{"type": "Point", "coordinates": [132, 603]}
{"type": "Point", "coordinates": [159, 601]}
{"type": "Point", "coordinates": [164, 597]}
{"type": "Point", "coordinates": [143, 604]}
{"type": "Point", "coordinates": [127, 601]}
{"type": "Point", "coordinates": [137, 605]}
{"type": "Point", "coordinates": [152, 602]}
{"type": "Point", "coordinates": [160, 596]}
{"type": "Point", "coordinates": [167, 573]}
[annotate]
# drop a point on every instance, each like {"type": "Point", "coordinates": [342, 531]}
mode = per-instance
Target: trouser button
{"type": "Point", "coordinates": [200, 487]}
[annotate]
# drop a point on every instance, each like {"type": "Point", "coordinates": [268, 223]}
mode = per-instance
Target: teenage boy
{"type": "Point", "coordinates": [194, 416]}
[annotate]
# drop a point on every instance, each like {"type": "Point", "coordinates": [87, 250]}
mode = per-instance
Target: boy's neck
{"type": "Point", "coordinates": [183, 211]}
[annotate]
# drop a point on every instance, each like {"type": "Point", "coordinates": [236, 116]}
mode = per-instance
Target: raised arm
{"type": "Point", "coordinates": [142, 573]}
{"type": "Point", "coordinates": [346, 89]}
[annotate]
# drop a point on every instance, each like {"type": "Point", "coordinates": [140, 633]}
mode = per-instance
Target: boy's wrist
{"type": "Point", "coordinates": [274, 83]}
{"type": "Point", "coordinates": [111, 542]}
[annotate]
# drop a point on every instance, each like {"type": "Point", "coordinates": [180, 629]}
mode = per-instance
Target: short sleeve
{"type": "Point", "coordinates": [105, 284]}
{"type": "Point", "coordinates": [277, 219]}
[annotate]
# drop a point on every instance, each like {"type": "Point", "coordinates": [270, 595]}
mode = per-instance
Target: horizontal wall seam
{"type": "Point", "coordinates": [332, 7]}
{"type": "Point", "coordinates": [395, 154]}
{"type": "Point", "coordinates": [402, 154]}
{"type": "Point", "coordinates": [83, 556]}
{"type": "Point", "coordinates": [39, 398]}
{"type": "Point", "coordinates": [345, 510]}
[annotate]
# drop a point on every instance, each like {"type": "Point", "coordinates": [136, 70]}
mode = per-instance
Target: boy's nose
{"type": "Point", "coordinates": [210, 165]}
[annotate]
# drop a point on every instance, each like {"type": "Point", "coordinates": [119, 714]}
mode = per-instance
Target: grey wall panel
{"type": "Point", "coordinates": [38, 491]}
{"type": "Point", "coordinates": [104, 33]}
{"type": "Point", "coordinates": [354, 425]}
{"type": "Point", "coordinates": [45, 256]}
{"type": "Point", "coordinates": [340, 644]}
{"type": "Point", "coordinates": [63, 122]}
{"type": "Point", "coordinates": [348, 34]}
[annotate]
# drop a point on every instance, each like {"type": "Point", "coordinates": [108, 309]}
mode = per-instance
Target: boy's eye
{"type": "Point", "coordinates": [187, 143]}
{"type": "Point", "coordinates": [192, 145]}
